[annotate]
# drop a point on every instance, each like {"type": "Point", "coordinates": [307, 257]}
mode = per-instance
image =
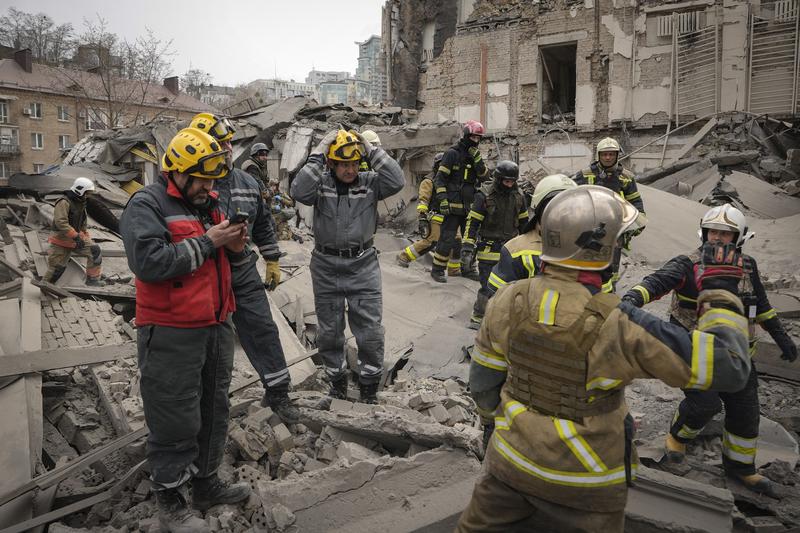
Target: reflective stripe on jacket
{"type": "Point", "coordinates": [618, 179]}
{"type": "Point", "coordinates": [581, 463]}
{"type": "Point", "coordinates": [519, 259]}
{"type": "Point", "coordinates": [181, 279]}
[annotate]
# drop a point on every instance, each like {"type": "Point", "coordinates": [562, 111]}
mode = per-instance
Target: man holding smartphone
{"type": "Point", "coordinates": [241, 196]}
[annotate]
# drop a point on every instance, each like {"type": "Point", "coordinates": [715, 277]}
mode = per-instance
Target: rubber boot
{"type": "Point", "coordinates": [437, 273]}
{"type": "Point", "coordinates": [210, 491]}
{"type": "Point", "coordinates": [402, 259]}
{"type": "Point", "coordinates": [339, 388]}
{"type": "Point", "coordinates": [369, 392]}
{"type": "Point", "coordinates": [676, 450]}
{"type": "Point", "coordinates": [758, 484]}
{"type": "Point", "coordinates": [277, 399]}
{"type": "Point", "coordinates": [95, 282]}
{"type": "Point", "coordinates": [174, 515]}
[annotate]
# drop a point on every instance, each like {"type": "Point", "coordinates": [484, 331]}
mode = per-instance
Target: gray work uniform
{"type": "Point", "coordinates": [241, 192]}
{"type": "Point", "coordinates": [344, 264]}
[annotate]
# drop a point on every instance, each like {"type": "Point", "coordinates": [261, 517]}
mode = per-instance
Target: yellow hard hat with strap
{"type": "Point", "coordinates": [346, 147]}
{"type": "Point", "coordinates": [219, 128]}
{"type": "Point", "coordinates": [195, 153]}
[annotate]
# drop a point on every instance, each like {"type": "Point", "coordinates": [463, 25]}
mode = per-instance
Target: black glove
{"type": "Point", "coordinates": [79, 244]}
{"type": "Point", "coordinates": [424, 226]}
{"type": "Point", "coordinates": [720, 268]}
{"type": "Point", "coordinates": [488, 429]}
{"type": "Point", "coordinates": [634, 298]}
{"type": "Point", "coordinates": [787, 346]}
{"type": "Point", "coordinates": [444, 207]}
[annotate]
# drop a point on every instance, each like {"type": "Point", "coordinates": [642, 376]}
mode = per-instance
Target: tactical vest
{"type": "Point", "coordinates": [548, 363]}
{"type": "Point", "coordinates": [683, 306]}
{"type": "Point", "coordinates": [77, 213]}
{"type": "Point", "coordinates": [613, 179]}
{"type": "Point", "coordinates": [502, 214]}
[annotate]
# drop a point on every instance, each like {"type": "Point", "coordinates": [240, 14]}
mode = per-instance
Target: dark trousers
{"type": "Point", "coordinates": [740, 436]}
{"type": "Point", "coordinates": [447, 240]}
{"type": "Point", "coordinates": [185, 376]}
{"type": "Point", "coordinates": [498, 507]}
{"type": "Point", "coordinates": [256, 328]}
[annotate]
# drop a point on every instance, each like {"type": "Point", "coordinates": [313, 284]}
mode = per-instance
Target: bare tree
{"type": "Point", "coordinates": [195, 79]}
{"type": "Point", "coordinates": [47, 41]}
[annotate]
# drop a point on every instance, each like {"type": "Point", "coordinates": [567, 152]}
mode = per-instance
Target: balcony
{"type": "Point", "coordinates": [9, 150]}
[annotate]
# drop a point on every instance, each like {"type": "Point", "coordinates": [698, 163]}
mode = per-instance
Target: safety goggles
{"type": "Point", "coordinates": [348, 152]}
{"type": "Point", "coordinates": [211, 166]}
{"type": "Point", "coordinates": [222, 129]}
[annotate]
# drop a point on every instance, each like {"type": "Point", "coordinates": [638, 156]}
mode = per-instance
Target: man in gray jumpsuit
{"type": "Point", "coordinates": [344, 264]}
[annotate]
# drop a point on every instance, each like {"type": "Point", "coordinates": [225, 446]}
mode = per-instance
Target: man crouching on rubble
{"type": "Point", "coordinates": [178, 245]}
{"type": "Point", "coordinates": [344, 264]}
{"type": "Point", "coordinates": [553, 357]}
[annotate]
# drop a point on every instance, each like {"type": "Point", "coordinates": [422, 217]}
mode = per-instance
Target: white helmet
{"type": "Point", "coordinates": [607, 145]}
{"type": "Point", "coordinates": [581, 227]}
{"type": "Point", "coordinates": [549, 184]}
{"type": "Point", "coordinates": [371, 137]}
{"type": "Point", "coordinates": [726, 218]}
{"type": "Point", "coordinates": [81, 185]}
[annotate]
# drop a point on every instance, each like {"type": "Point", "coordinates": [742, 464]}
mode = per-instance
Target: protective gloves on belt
{"type": "Point", "coordinates": [424, 226]}
{"type": "Point", "coordinates": [273, 276]}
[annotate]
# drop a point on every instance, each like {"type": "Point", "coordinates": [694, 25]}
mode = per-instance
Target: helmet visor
{"type": "Point", "coordinates": [222, 130]}
{"type": "Point", "coordinates": [348, 152]}
{"type": "Point", "coordinates": [210, 166]}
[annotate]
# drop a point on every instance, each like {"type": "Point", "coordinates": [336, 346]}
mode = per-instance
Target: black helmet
{"type": "Point", "coordinates": [506, 170]}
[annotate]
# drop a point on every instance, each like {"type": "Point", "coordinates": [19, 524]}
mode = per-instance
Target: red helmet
{"type": "Point", "coordinates": [473, 127]}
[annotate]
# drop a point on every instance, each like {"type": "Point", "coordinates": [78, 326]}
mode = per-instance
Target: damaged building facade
{"type": "Point", "coordinates": [525, 68]}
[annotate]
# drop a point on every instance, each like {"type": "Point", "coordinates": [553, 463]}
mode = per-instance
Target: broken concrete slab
{"type": "Point", "coordinates": [775, 443]}
{"type": "Point", "coordinates": [353, 452]}
{"type": "Point", "coordinates": [420, 136]}
{"type": "Point", "coordinates": [295, 148]}
{"type": "Point", "coordinates": [387, 494]}
{"type": "Point", "coordinates": [761, 198]}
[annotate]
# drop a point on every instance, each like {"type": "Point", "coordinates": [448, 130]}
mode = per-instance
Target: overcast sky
{"type": "Point", "coordinates": [239, 40]}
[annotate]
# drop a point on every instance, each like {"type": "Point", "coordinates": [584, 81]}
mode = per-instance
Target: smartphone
{"type": "Point", "coordinates": [240, 218]}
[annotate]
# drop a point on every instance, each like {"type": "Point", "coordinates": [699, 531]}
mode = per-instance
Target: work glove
{"type": "Point", "coordinates": [634, 298]}
{"type": "Point", "coordinates": [475, 153]}
{"type": "Point", "coordinates": [424, 226]}
{"type": "Point", "coordinates": [488, 429]}
{"type": "Point", "coordinates": [325, 143]}
{"type": "Point", "coordinates": [273, 276]}
{"type": "Point", "coordinates": [720, 268]}
{"type": "Point", "coordinates": [787, 346]}
{"type": "Point", "coordinates": [444, 207]}
{"type": "Point", "coordinates": [467, 255]}
{"type": "Point", "coordinates": [79, 243]}
{"type": "Point", "coordinates": [368, 148]}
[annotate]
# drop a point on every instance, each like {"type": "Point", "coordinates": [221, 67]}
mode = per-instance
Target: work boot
{"type": "Point", "coordinates": [174, 515]}
{"type": "Point", "coordinates": [475, 322]}
{"type": "Point", "coordinates": [438, 275]}
{"type": "Point", "coordinates": [277, 399]}
{"type": "Point", "coordinates": [369, 392]}
{"type": "Point", "coordinates": [339, 388]}
{"type": "Point", "coordinates": [757, 483]}
{"type": "Point", "coordinates": [210, 491]}
{"type": "Point", "coordinates": [676, 450]}
{"type": "Point", "coordinates": [95, 282]}
{"type": "Point", "coordinates": [402, 259]}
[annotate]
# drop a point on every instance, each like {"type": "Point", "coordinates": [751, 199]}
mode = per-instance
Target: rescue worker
{"type": "Point", "coordinates": [498, 214]}
{"type": "Point", "coordinates": [70, 235]}
{"type": "Point", "coordinates": [553, 357]}
{"type": "Point", "coordinates": [460, 174]}
{"type": "Point", "coordinates": [724, 224]}
{"type": "Point", "coordinates": [256, 164]}
{"type": "Point", "coordinates": [344, 263]}
{"type": "Point", "coordinates": [179, 244]}
{"type": "Point", "coordinates": [240, 192]}
{"type": "Point", "coordinates": [519, 257]}
{"type": "Point", "coordinates": [606, 171]}
{"type": "Point", "coordinates": [430, 227]}
{"type": "Point", "coordinates": [373, 139]}
{"type": "Point", "coordinates": [283, 211]}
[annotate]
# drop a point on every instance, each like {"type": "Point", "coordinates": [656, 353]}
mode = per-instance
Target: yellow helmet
{"type": "Point", "coordinates": [346, 147]}
{"type": "Point", "coordinates": [196, 153]}
{"type": "Point", "coordinates": [219, 128]}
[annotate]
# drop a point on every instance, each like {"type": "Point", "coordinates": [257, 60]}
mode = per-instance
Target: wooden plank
{"type": "Point", "coordinates": [689, 146]}
{"type": "Point", "coordinates": [41, 361]}
{"type": "Point", "coordinates": [52, 289]}
{"type": "Point", "coordinates": [39, 257]}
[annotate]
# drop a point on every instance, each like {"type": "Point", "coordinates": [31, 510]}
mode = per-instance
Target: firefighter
{"type": "Point", "coordinates": [240, 193]}
{"type": "Point", "coordinates": [430, 227]}
{"type": "Point", "coordinates": [607, 171]}
{"type": "Point", "coordinates": [180, 247]}
{"type": "Point", "coordinates": [283, 211]}
{"type": "Point", "coordinates": [70, 235]}
{"type": "Point", "coordinates": [519, 257]}
{"type": "Point", "coordinates": [374, 140]}
{"type": "Point", "coordinates": [256, 164]}
{"type": "Point", "coordinates": [724, 224]}
{"type": "Point", "coordinates": [344, 263]}
{"type": "Point", "coordinates": [553, 357]}
{"type": "Point", "coordinates": [498, 214]}
{"type": "Point", "coordinates": [459, 175]}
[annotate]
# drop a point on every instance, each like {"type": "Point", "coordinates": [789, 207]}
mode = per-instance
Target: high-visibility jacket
{"type": "Point", "coordinates": [182, 281]}
{"type": "Point", "coordinates": [519, 259]}
{"type": "Point", "coordinates": [618, 179]}
{"type": "Point", "coordinates": [571, 447]}
{"type": "Point", "coordinates": [69, 221]}
{"type": "Point", "coordinates": [458, 177]}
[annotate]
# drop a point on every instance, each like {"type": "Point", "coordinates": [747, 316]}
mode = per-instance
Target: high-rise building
{"type": "Point", "coordinates": [370, 68]}
{"type": "Point", "coordinates": [315, 77]}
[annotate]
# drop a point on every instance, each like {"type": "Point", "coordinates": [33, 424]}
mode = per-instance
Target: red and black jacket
{"type": "Point", "coordinates": [181, 279]}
